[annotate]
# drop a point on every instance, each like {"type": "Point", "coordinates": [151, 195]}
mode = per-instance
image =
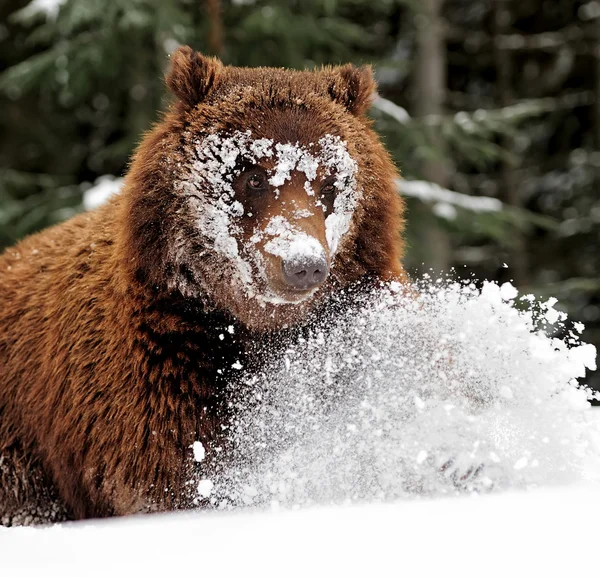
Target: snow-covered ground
{"type": "Point", "coordinates": [542, 532]}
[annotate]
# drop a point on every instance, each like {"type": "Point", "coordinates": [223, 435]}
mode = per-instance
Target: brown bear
{"type": "Point", "coordinates": [259, 193]}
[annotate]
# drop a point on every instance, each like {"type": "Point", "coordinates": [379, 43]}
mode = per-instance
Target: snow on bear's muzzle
{"type": "Point", "coordinates": [305, 271]}
{"type": "Point", "coordinates": [304, 261]}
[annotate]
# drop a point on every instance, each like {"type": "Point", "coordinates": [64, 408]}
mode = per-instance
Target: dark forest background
{"type": "Point", "coordinates": [491, 109]}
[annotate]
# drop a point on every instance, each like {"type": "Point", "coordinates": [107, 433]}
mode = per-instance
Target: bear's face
{"type": "Point", "coordinates": [274, 212]}
{"type": "Point", "coordinates": [268, 176]}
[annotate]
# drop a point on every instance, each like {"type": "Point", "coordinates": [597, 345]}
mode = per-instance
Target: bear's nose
{"type": "Point", "coordinates": [306, 272]}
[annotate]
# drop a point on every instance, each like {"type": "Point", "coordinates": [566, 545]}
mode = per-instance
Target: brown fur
{"type": "Point", "coordinates": [109, 369]}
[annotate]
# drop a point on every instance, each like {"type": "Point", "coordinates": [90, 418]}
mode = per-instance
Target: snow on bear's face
{"type": "Point", "coordinates": [273, 214]}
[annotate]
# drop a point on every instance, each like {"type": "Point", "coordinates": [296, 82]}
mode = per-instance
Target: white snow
{"type": "Point", "coordinates": [199, 451]}
{"type": "Point", "coordinates": [521, 463]}
{"type": "Point", "coordinates": [398, 113]}
{"type": "Point", "coordinates": [589, 11]}
{"type": "Point", "coordinates": [104, 187]}
{"type": "Point", "coordinates": [450, 371]}
{"type": "Point", "coordinates": [339, 162]}
{"type": "Point", "coordinates": [542, 532]}
{"type": "Point", "coordinates": [48, 8]}
{"type": "Point", "coordinates": [585, 355]}
{"type": "Point", "coordinates": [444, 210]}
{"type": "Point", "coordinates": [508, 292]}
{"type": "Point", "coordinates": [289, 242]}
{"type": "Point", "coordinates": [205, 487]}
{"type": "Point", "coordinates": [288, 156]}
{"type": "Point", "coordinates": [552, 315]}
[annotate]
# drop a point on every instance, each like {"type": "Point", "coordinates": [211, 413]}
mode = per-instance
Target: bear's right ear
{"type": "Point", "coordinates": [191, 75]}
{"type": "Point", "coordinates": [352, 87]}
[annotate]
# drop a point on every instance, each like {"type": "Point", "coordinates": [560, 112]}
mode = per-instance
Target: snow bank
{"type": "Point", "coordinates": [544, 532]}
{"type": "Point", "coordinates": [448, 389]}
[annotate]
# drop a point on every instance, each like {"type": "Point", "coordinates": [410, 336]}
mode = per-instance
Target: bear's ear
{"type": "Point", "coordinates": [352, 87]}
{"type": "Point", "coordinates": [192, 75]}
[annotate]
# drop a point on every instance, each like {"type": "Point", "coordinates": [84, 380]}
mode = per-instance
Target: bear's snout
{"type": "Point", "coordinates": [295, 254]}
{"type": "Point", "coordinates": [305, 272]}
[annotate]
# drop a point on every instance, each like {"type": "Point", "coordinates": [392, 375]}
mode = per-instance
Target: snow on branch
{"type": "Point", "coordinates": [542, 41]}
{"type": "Point", "coordinates": [589, 11]}
{"type": "Point", "coordinates": [391, 109]}
{"type": "Point", "coordinates": [513, 112]}
{"type": "Point", "coordinates": [47, 8]}
{"type": "Point", "coordinates": [517, 111]}
{"type": "Point", "coordinates": [104, 187]}
{"type": "Point", "coordinates": [445, 200]}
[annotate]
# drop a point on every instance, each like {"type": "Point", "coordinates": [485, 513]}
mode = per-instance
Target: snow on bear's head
{"type": "Point", "coordinates": [275, 178]}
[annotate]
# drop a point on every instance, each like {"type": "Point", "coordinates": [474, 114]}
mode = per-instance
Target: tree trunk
{"type": "Point", "coordinates": [509, 188]}
{"type": "Point", "coordinates": [597, 86]}
{"type": "Point", "coordinates": [215, 37]}
{"type": "Point", "coordinates": [430, 98]}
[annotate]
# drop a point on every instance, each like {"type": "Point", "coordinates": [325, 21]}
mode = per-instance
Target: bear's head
{"type": "Point", "coordinates": [262, 190]}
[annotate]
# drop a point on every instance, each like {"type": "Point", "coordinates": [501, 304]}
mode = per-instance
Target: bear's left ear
{"type": "Point", "coordinates": [192, 75]}
{"type": "Point", "coordinates": [352, 87]}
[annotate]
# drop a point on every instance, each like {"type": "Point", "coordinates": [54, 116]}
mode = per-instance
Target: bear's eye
{"type": "Point", "coordinates": [327, 194]}
{"type": "Point", "coordinates": [328, 189]}
{"type": "Point", "coordinates": [256, 181]}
